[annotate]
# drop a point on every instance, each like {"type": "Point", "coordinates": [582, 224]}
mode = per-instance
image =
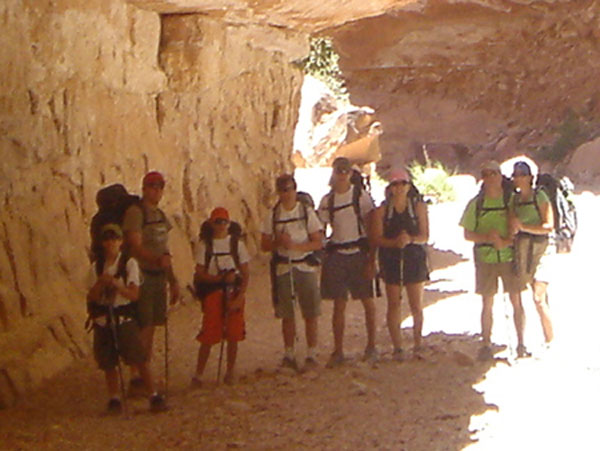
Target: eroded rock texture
{"type": "Point", "coordinates": [98, 92]}
{"type": "Point", "coordinates": [462, 77]}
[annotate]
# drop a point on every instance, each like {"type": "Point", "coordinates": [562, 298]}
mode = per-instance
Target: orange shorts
{"type": "Point", "coordinates": [212, 321]}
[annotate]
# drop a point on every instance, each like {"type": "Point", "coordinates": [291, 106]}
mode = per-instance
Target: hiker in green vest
{"type": "Point", "coordinates": [485, 223]}
{"type": "Point", "coordinates": [146, 229]}
{"type": "Point", "coordinates": [532, 221]}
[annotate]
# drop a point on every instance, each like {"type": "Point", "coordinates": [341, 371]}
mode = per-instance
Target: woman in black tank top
{"type": "Point", "coordinates": [400, 230]}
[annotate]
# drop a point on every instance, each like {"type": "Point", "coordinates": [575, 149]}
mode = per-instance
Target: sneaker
{"type": "Point", "coordinates": [289, 362]}
{"type": "Point", "coordinates": [371, 356]}
{"type": "Point", "coordinates": [485, 353]}
{"type": "Point", "coordinates": [310, 364]}
{"type": "Point", "coordinates": [157, 403]}
{"type": "Point", "coordinates": [335, 360]}
{"type": "Point", "coordinates": [196, 382]}
{"type": "Point", "coordinates": [398, 355]}
{"type": "Point", "coordinates": [522, 352]}
{"type": "Point", "coordinates": [114, 406]}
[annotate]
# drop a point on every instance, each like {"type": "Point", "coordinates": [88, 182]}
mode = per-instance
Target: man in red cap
{"type": "Point", "coordinates": [146, 234]}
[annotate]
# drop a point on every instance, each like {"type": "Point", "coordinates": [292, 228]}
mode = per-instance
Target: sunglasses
{"type": "Point", "coordinates": [287, 189]}
{"type": "Point", "coordinates": [488, 173]}
{"type": "Point", "coordinates": [341, 171]}
{"type": "Point", "coordinates": [400, 183]}
{"type": "Point", "coordinates": [221, 221]}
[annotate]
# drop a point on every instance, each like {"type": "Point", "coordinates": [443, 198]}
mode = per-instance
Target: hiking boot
{"type": "Point", "coordinates": [371, 356]}
{"type": "Point", "coordinates": [398, 355]}
{"type": "Point", "coordinates": [114, 407]}
{"type": "Point", "coordinates": [289, 362]}
{"type": "Point", "coordinates": [157, 403]}
{"type": "Point", "coordinates": [485, 353]}
{"type": "Point", "coordinates": [310, 364]}
{"type": "Point", "coordinates": [522, 352]}
{"type": "Point", "coordinates": [335, 360]}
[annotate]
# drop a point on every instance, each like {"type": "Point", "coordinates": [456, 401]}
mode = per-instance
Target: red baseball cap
{"type": "Point", "coordinates": [153, 177]}
{"type": "Point", "coordinates": [219, 213]}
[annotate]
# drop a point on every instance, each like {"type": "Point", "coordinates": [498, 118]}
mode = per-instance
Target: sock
{"type": "Point", "coordinates": [311, 353]}
{"type": "Point", "coordinates": [289, 353]}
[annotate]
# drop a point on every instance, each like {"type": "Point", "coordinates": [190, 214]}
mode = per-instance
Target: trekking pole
{"type": "Point", "coordinates": [115, 336]}
{"type": "Point", "coordinates": [224, 314]}
{"type": "Point", "coordinates": [166, 354]}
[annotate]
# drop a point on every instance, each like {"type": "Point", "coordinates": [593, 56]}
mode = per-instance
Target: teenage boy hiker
{"type": "Point", "coordinates": [146, 231]}
{"type": "Point", "coordinates": [349, 263]}
{"type": "Point", "coordinates": [292, 232]}
{"type": "Point", "coordinates": [222, 268]}
{"type": "Point", "coordinates": [486, 223]}
{"type": "Point", "coordinates": [114, 281]}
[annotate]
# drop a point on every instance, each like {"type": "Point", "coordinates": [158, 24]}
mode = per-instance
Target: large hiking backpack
{"type": "Point", "coordinates": [565, 214]}
{"type": "Point", "coordinates": [206, 235]}
{"type": "Point", "coordinates": [508, 188]}
{"type": "Point", "coordinates": [112, 201]}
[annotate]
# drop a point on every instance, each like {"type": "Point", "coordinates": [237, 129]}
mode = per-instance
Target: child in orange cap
{"type": "Point", "coordinates": [221, 279]}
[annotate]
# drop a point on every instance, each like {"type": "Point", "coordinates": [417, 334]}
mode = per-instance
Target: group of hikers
{"type": "Point", "coordinates": [131, 278]}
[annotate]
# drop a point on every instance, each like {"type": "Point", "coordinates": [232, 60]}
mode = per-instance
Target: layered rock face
{"type": "Point", "coordinates": [461, 78]}
{"type": "Point", "coordinates": [98, 92]}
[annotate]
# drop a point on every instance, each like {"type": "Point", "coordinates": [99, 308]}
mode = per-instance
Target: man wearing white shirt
{"type": "Point", "coordinates": [292, 232]}
{"type": "Point", "coordinates": [349, 264]}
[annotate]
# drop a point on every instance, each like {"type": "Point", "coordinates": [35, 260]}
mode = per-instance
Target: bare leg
{"type": "Point", "coordinates": [487, 319]}
{"type": "Point", "coordinates": [288, 329]}
{"type": "Point", "coordinates": [393, 293]}
{"type": "Point", "coordinates": [312, 331]}
{"type": "Point", "coordinates": [203, 354]}
{"type": "Point", "coordinates": [369, 306]}
{"type": "Point", "coordinates": [232, 347]}
{"type": "Point", "coordinates": [543, 309]}
{"type": "Point", "coordinates": [147, 337]}
{"type": "Point", "coordinates": [337, 320]}
{"type": "Point", "coordinates": [112, 382]}
{"type": "Point", "coordinates": [518, 316]}
{"type": "Point", "coordinates": [415, 300]}
{"type": "Point", "coordinates": [146, 375]}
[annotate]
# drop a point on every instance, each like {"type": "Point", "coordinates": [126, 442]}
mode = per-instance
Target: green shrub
{"type": "Point", "coordinates": [322, 63]}
{"type": "Point", "coordinates": [572, 132]}
{"type": "Point", "coordinates": [432, 181]}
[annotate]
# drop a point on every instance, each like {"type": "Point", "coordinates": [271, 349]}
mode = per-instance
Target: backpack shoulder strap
{"type": "Point", "coordinates": [122, 266]}
{"type": "Point", "coordinates": [356, 192]}
{"type": "Point", "coordinates": [208, 252]}
{"type": "Point", "coordinates": [234, 249]}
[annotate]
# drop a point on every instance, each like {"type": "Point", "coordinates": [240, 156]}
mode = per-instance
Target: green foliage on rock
{"type": "Point", "coordinates": [572, 132]}
{"type": "Point", "coordinates": [322, 63]}
{"type": "Point", "coordinates": [432, 181]}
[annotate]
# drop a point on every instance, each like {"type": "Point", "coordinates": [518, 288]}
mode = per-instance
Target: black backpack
{"type": "Point", "coordinates": [206, 235]}
{"type": "Point", "coordinates": [565, 213]}
{"type": "Point", "coordinates": [112, 201]}
{"type": "Point", "coordinates": [413, 196]}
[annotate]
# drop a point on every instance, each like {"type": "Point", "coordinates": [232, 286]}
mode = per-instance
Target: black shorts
{"type": "Point", "coordinates": [415, 268]}
{"type": "Point", "coordinates": [130, 345]}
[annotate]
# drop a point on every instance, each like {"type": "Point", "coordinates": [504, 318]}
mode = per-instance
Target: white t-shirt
{"type": "Point", "coordinates": [132, 271]}
{"type": "Point", "coordinates": [344, 226]}
{"type": "Point", "coordinates": [299, 229]}
{"type": "Point", "coordinates": [221, 259]}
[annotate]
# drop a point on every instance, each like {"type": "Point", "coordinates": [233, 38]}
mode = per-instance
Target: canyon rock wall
{"type": "Point", "coordinates": [471, 79]}
{"type": "Point", "coordinates": [98, 91]}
